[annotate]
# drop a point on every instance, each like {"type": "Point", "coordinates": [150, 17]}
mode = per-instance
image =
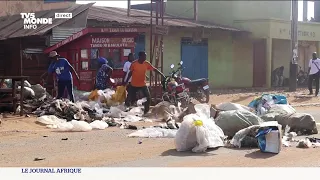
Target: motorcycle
{"type": "Point", "coordinates": [302, 77]}
{"type": "Point", "coordinates": [173, 91]}
{"type": "Point", "coordinates": [198, 89]}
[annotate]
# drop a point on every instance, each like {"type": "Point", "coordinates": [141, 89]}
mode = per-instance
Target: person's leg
{"type": "Point", "coordinates": [69, 85]}
{"type": "Point", "coordinates": [276, 81]}
{"type": "Point", "coordinates": [316, 78]}
{"type": "Point", "coordinates": [281, 79]}
{"type": "Point", "coordinates": [146, 93]}
{"type": "Point", "coordinates": [133, 94]}
{"type": "Point", "coordinates": [61, 88]}
{"type": "Point", "coordinates": [310, 80]}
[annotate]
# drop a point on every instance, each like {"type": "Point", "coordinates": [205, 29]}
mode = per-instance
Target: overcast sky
{"type": "Point", "coordinates": [124, 4]}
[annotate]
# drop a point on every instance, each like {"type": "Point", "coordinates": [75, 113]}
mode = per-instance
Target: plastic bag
{"type": "Point", "coordinates": [233, 121]}
{"type": "Point", "coordinates": [228, 106]}
{"type": "Point", "coordinates": [50, 120]}
{"type": "Point", "coordinates": [198, 131]}
{"type": "Point", "coordinates": [80, 126]}
{"type": "Point", "coordinates": [99, 125]}
{"type": "Point", "coordinates": [154, 133]}
{"type": "Point", "coordinates": [94, 95]}
{"type": "Point", "coordinates": [120, 95]}
{"type": "Point", "coordinates": [240, 135]}
{"type": "Point", "coordinates": [115, 112]}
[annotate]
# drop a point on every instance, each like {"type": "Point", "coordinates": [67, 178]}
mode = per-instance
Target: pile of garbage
{"type": "Point", "coordinates": [268, 123]}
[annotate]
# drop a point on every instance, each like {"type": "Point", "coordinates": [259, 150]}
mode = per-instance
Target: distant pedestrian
{"type": "Point", "coordinates": [278, 76]}
{"type": "Point", "coordinates": [103, 75]}
{"type": "Point", "coordinates": [63, 69]}
{"type": "Point", "coordinates": [314, 73]}
{"type": "Point", "coordinates": [126, 70]}
{"type": "Point", "coordinates": [138, 71]}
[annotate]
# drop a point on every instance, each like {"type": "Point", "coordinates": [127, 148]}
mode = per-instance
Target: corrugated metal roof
{"type": "Point", "coordinates": [61, 33]}
{"type": "Point", "coordinates": [12, 26]}
{"type": "Point", "coordinates": [119, 15]}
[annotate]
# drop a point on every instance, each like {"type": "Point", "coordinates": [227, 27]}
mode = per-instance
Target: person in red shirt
{"type": "Point", "coordinates": [138, 71]}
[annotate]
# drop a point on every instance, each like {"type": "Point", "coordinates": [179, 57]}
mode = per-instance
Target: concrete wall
{"type": "Point", "coordinates": [16, 7]}
{"type": "Point", "coordinates": [230, 60]}
{"type": "Point", "coordinates": [281, 55]}
{"type": "Point", "coordinates": [225, 12]}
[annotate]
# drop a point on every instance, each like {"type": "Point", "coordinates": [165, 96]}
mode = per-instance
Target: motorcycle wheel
{"type": "Point", "coordinates": [202, 96]}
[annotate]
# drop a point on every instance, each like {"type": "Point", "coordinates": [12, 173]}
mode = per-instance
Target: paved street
{"type": "Point", "coordinates": [23, 142]}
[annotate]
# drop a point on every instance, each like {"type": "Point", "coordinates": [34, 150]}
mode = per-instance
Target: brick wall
{"type": "Point", "coordinates": [16, 7]}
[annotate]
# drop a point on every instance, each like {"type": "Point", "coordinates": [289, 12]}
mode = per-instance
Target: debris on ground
{"type": "Point", "coordinates": [262, 104]}
{"type": "Point", "coordinates": [39, 159]}
{"type": "Point", "coordinates": [198, 131]}
{"type": "Point", "coordinates": [304, 143]}
{"type": "Point", "coordinates": [270, 137]}
{"type": "Point", "coordinates": [233, 121]}
{"type": "Point", "coordinates": [246, 137]}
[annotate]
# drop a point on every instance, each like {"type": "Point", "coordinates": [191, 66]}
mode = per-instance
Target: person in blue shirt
{"type": "Point", "coordinates": [63, 70]}
{"type": "Point", "coordinates": [103, 75]}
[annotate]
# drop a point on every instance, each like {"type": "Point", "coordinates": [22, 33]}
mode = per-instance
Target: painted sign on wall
{"type": "Point", "coordinates": [100, 42]}
{"type": "Point", "coordinates": [300, 33]}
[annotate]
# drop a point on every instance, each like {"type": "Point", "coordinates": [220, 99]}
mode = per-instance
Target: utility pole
{"type": "Point", "coordinates": [294, 46]}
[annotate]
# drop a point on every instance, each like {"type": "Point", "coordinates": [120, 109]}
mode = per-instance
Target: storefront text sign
{"type": "Point", "coordinates": [116, 30]}
{"type": "Point", "coordinates": [300, 33]}
{"type": "Point", "coordinates": [99, 42]}
{"type": "Point", "coordinates": [86, 76]}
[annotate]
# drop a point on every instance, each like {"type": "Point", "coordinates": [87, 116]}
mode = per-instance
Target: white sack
{"type": "Point", "coordinates": [198, 137]}
{"type": "Point", "coordinates": [99, 125]}
{"type": "Point", "coordinates": [154, 133]}
{"type": "Point", "coordinates": [50, 120]}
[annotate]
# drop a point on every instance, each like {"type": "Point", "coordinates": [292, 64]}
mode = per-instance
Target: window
{"type": "Point", "coordinates": [84, 65]}
{"type": "Point", "coordinates": [84, 54]}
{"type": "Point", "coordinates": [94, 59]}
{"type": "Point", "coordinates": [116, 59]}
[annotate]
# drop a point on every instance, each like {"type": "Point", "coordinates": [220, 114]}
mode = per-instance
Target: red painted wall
{"type": "Point", "coordinates": [87, 76]}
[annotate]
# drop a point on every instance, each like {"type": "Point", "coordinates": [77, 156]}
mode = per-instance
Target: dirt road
{"type": "Point", "coordinates": [21, 141]}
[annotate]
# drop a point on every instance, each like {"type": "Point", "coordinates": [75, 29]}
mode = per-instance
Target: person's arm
{"type": "Point", "coordinates": [310, 63]}
{"type": "Point", "coordinates": [129, 76]}
{"type": "Point", "coordinates": [73, 70]}
{"type": "Point", "coordinates": [125, 71]}
{"type": "Point", "coordinates": [152, 68]}
{"type": "Point", "coordinates": [51, 68]}
{"type": "Point", "coordinates": [110, 71]}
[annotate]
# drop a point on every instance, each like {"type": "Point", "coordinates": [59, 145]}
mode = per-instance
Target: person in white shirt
{"type": "Point", "coordinates": [126, 70]}
{"type": "Point", "coordinates": [314, 73]}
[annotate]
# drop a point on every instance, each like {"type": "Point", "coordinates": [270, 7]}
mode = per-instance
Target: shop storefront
{"type": "Point", "coordinates": [275, 49]}
{"type": "Point", "coordinates": [84, 48]}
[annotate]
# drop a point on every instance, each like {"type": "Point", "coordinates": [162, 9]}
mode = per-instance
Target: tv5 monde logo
{"type": "Point", "coordinates": [30, 21]}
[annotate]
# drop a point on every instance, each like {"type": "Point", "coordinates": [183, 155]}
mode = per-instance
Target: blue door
{"type": "Point", "coordinates": [140, 45]}
{"type": "Point", "coordinates": [195, 58]}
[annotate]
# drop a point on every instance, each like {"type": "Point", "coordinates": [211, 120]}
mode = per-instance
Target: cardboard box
{"type": "Point", "coordinates": [269, 137]}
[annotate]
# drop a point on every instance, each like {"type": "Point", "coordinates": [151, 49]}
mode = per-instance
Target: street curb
{"type": "Point", "coordinates": [304, 105]}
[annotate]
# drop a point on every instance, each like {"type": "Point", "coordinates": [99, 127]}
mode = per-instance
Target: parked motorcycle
{"type": "Point", "coordinates": [198, 89]}
{"type": "Point", "coordinates": [302, 77]}
{"type": "Point", "coordinates": [173, 91]}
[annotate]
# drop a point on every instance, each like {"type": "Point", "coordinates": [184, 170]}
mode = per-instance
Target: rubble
{"type": "Point", "coordinates": [194, 128]}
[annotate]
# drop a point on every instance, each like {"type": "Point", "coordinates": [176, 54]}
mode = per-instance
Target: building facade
{"type": "Point", "coordinates": [269, 22]}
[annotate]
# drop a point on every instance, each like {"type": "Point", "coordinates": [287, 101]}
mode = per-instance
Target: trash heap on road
{"type": "Point", "coordinates": [267, 123]}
